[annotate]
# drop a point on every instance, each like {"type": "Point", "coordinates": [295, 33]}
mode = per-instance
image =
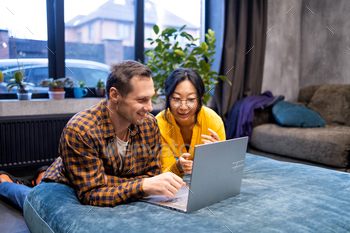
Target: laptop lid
{"type": "Point", "coordinates": [217, 172]}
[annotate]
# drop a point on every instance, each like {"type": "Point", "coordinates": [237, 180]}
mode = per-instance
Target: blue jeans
{"type": "Point", "coordinates": [16, 193]}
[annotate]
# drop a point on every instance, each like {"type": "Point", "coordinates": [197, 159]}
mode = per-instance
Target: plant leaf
{"type": "Point", "coordinates": [179, 52]}
{"type": "Point", "coordinates": [11, 86]}
{"type": "Point", "coordinates": [18, 76]}
{"type": "Point", "coordinates": [168, 31]}
{"type": "Point", "coordinates": [204, 46]}
{"type": "Point", "coordinates": [156, 29]}
{"type": "Point", "coordinates": [224, 78]}
{"type": "Point", "coordinates": [205, 66]}
{"type": "Point", "coordinates": [192, 58]}
{"type": "Point", "coordinates": [182, 28]}
{"type": "Point", "coordinates": [1, 77]}
{"type": "Point", "coordinates": [206, 98]}
{"type": "Point", "coordinates": [196, 51]}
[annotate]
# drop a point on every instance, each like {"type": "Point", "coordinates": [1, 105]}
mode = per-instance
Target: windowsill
{"type": "Point", "coordinates": [32, 107]}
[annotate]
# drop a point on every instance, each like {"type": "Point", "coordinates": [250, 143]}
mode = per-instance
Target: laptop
{"type": "Point", "coordinates": [216, 175]}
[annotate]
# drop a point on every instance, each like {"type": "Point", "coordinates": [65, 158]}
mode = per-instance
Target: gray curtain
{"type": "Point", "coordinates": [242, 60]}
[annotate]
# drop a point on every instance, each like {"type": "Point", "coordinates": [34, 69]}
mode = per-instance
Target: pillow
{"type": "Point", "coordinates": [289, 114]}
{"type": "Point", "coordinates": [332, 102]}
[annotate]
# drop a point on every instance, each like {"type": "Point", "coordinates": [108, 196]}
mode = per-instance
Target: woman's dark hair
{"type": "Point", "coordinates": [177, 76]}
{"type": "Point", "coordinates": [121, 74]}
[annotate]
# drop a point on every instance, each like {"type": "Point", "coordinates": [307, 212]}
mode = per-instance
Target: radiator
{"type": "Point", "coordinates": [30, 140]}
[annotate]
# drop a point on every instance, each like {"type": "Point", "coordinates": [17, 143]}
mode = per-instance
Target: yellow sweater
{"type": "Point", "coordinates": [172, 142]}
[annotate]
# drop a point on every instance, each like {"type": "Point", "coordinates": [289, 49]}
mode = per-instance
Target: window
{"type": "Point", "coordinates": [79, 37]}
{"type": "Point", "coordinates": [123, 31]}
{"type": "Point", "coordinates": [25, 28]}
{"type": "Point", "coordinates": [91, 33]}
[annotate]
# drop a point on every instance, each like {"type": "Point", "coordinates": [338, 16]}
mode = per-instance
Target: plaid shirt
{"type": "Point", "coordinates": [88, 151]}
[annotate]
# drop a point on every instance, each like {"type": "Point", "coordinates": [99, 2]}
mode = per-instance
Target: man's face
{"type": "Point", "coordinates": [134, 106]}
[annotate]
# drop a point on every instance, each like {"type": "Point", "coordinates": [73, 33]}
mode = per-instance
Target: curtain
{"type": "Point", "coordinates": [242, 60]}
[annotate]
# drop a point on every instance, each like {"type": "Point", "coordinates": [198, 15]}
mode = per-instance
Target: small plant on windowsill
{"type": "Point", "coordinates": [17, 80]}
{"type": "Point", "coordinates": [100, 88]}
{"type": "Point", "coordinates": [22, 86]}
{"type": "Point", "coordinates": [56, 87]}
{"type": "Point", "coordinates": [57, 84]}
{"type": "Point", "coordinates": [168, 55]}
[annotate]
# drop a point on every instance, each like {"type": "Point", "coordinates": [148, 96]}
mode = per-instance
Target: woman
{"type": "Point", "coordinates": [185, 122]}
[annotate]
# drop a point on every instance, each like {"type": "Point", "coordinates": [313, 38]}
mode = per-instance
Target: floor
{"type": "Point", "coordinates": [11, 219]}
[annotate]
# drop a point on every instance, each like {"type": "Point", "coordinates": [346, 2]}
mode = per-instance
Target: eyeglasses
{"type": "Point", "coordinates": [189, 102]}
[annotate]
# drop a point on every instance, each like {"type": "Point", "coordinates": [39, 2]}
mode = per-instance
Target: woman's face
{"type": "Point", "coordinates": [183, 102]}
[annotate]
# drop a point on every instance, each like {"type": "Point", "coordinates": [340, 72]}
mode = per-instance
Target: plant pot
{"type": "Point", "coordinates": [24, 96]}
{"type": "Point", "coordinates": [100, 91]}
{"type": "Point", "coordinates": [57, 90]}
{"type": "Point", "coordinates": [56, 95]}
{"type": "Point", "coordinates": [79, 92]}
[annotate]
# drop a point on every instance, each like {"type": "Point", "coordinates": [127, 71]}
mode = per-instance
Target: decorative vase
{"type": "Point", "coordinates": [100, 91]}
{"type": "Point", "coordinates": [56, 94]}
{"type": "Point", "coordinates": [24, 96]}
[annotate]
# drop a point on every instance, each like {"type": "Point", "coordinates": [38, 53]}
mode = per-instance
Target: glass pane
{"type": "Point", "coordinates": [166, 14]}
{"type": "Point", "coordinates": [23, 26]}
{"type": "Point", "coordinates": [97, 33]}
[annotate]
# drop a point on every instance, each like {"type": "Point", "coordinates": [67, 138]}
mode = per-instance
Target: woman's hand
{"type": "Point", "coordinates": [212, 138]}
{"type": "Point", "coordinates": [184, 164]}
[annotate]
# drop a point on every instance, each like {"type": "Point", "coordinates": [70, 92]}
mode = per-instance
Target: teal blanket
{"type": "Point", "coordinates": [275, 197]}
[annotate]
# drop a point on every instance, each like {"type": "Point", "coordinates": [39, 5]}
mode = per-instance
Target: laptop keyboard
{"type": "Point", "coordinates": [179, 201]}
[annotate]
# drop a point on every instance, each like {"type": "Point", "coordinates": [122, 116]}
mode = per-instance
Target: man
{"type": "Point", "coordinates": [102, 149]}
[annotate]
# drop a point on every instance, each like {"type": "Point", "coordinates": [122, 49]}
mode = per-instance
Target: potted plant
{"type": "Point", "coordinates": [168, 55]}
{"type": "Point", "coordinates": [80, 92]}
{"type": "Point", "coordinates": [18, 81]}
{"type": "Point", "coordinates": [100, 88]}
{"type": "Point", "coordinates": [56, 87]}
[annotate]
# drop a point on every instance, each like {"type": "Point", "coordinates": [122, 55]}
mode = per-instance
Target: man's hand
{"type": "Point", "coordinates": [212, 138]}
{"type": "Point", "coordinates": [185, 165]}
{"type": "Point", "coordinates": [167, 184]}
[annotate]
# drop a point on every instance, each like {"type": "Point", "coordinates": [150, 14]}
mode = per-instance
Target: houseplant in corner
{"type": "Point", "coordinates": [80, 92]}
{"type": "Point", "coordinates": [56, 87]}
{"type": "Point", "coordinates": [100, 88]}
{"type": "Point", "coordinates": [168, 55]}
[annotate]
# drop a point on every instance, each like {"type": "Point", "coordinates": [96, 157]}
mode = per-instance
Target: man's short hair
{"type": "Point", "coordinates": [122, 73]}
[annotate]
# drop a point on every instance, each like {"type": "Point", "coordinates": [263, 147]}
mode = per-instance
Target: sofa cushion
{"type": "Point", "coordinates": [306, 93]}
{"type": "Point", "coordinates": [332, 102]}
{"type": "Point", "coordinates": [328, 145]}
{"type": "Point", "coordinates": [289, 114]}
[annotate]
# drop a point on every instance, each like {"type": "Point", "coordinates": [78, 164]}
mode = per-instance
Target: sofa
{"type": "Point", "coordinates": [327, 146]}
